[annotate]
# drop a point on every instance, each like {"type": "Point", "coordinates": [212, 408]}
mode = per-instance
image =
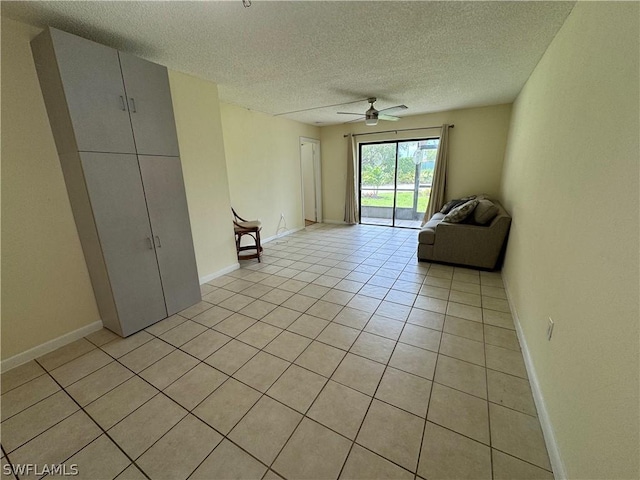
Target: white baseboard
{"type": "Point", "coordinates": [559, 470]}
{"type": "Point", "coordinates": [49, 346]}
{"type": "Point", "coordinates": [219, 273]}
{"type": "Point", "coordinates": [334, 222]}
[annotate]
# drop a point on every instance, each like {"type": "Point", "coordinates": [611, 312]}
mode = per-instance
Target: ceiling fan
{"type": "Point", "coordinates": [372, 115]}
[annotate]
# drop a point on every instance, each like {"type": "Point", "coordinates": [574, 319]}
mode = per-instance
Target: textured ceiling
{"type": "Point", "coordinates": [277, 57]}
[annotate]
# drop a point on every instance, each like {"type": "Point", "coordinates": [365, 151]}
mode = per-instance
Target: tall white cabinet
{"type": "Point", "coordinates": [112, 120]}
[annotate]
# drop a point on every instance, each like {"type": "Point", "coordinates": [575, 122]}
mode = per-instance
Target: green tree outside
{"type": "Point", "coordinates": [378, 169]}
{"type": "Point", "coordinates": [377, 165]}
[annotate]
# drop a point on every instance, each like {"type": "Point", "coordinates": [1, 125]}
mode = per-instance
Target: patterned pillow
{"type": "Point", "coordinates": [461, 212]}
{"type": "Point", "coordinates": [450, 205]}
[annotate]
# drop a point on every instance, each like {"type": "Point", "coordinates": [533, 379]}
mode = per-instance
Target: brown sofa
{"type": "Point", "coordinates": [464, 243]}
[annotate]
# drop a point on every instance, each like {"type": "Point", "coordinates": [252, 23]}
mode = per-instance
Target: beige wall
{"type": "Point", "coordinates": [46, 290]}
{"type": "Point", "coordinates": [263, 164]}
{"type": "Point", "coordinates": [571, 182]}
{"type": "Point", "coordinates": [198, 122]}
{"type": "Point", "coordinates": [476, 151]}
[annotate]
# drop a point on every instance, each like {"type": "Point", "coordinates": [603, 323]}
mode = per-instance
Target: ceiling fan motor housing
{"type": "Point", "coordinates": [371, 115]}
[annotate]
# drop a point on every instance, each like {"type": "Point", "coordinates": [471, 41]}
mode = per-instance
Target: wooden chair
{"type": "Point", "coordinates": [242, 227]}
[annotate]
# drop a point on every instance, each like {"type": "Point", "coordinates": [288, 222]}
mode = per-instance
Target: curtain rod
{"type": "Point", "coordinates": [396, 131]}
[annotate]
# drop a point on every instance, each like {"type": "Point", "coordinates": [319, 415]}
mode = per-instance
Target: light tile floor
{"type": "Point", "coordinates": [338, 356]}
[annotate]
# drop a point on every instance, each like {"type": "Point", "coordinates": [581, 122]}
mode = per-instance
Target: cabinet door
{"type": "Point", "coordinates": [118, 203]}
{"type": "Point", "coordinates": [149, 98]}
{"type": "Point", "coordinates": [93, 87]}
{"type": "Point", "coordinates": [167, 203]}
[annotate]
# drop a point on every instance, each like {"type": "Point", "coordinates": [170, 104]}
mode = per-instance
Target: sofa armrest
{"type": "Point", "coordinates": [471, 244]}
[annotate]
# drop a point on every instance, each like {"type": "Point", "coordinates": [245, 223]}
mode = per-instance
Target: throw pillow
{"type": "Point", "coordinates": [446, 208]}
{"type": "Point", "coordinates": [461, 212]}
{"type": "Point", "coordinates": [450, 205]}
{"type": "Point", "coordinates": [484, 212]}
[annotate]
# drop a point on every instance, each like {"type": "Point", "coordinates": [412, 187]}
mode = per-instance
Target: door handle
{"type": "Point", "coordinates": [150, 243]}
{"type": "Point", "coordinates": [133, 105]}
{"type": "Point", "coordinates": [159, 245]}
{"type": "Point", "coordinates": [124, 106]}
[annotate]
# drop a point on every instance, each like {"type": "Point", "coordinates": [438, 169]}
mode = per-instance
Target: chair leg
{"type": "Point", "coordinates": [255, 235]}
{"type": "Point", "coordinates": [238, 239]}
{"type": "Point", "coordinates": [258, 246]}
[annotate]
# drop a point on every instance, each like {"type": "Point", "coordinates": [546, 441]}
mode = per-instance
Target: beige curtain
{"type": "Point", "coordinates": [436, 199]}
{"type": "Point", "coordinates": [351, 199]}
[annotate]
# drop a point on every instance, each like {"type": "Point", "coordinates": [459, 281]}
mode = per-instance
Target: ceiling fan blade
{"type": "Point", "coordinates": [356, 120]}
{"type": "Point", "coordinates": [348, 113]}
{"type": "Point", "coordinates": [382, 116]}
{"type": "Point", "coordinates": [396, 108]}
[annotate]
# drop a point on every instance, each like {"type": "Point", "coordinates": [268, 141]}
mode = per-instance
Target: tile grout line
{"type": "Point", "coordinates": [187, 319]}
{"type": "Point", "coordinates": [9, 462]}
{"type": "Point", "coordinates": [62, 390]}
{"type": "Point", "coordinates": [223, 372]}
{"type": "Point", "coordinates": [397, 341]}
{"type": "Point", "coordinates": [329, 379]}
{"type": "Point", "coordinates": [407, 267]}
{"type": "Point", "coordinates": [426, 415]}
{"type": "Point", "coordinates": [373, 397]}
{"type": "Point", "coordinates": [311, 404]}
{"type": "Point", "coordinates": [486, 376]}
{"type": "Point", "coordinates": [104, 432]}
{"type": "Point", "coordinates": [263, 394]}
{"type": "Point", "coordinates": [161, 392]}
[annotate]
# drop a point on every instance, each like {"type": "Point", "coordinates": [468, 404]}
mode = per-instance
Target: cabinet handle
{"type": "Point", "coordinates": [158, 240]}
{"type": "Point", "coordinates": [133, 105]}
{"type": "Point", "coordinates": [150, 243]}
{"type": "Point", "coordinates": [124, 106]}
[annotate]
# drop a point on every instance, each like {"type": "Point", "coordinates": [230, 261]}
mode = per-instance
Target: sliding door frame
{"type": "Point", "coordinates": [395, 178]}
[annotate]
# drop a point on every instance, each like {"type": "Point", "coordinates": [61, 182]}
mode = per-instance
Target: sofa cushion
{"type": "Point", "coordinates": [427, 234]}
{"type": "Point", "coordinates": [484, 212]}
{"type": "Point", "coordinates": [451, 204]}
{"type": "Point", "coordinates": [461, 212]}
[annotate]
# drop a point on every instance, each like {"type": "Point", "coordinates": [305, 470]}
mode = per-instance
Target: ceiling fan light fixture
{"type": "Point", "coordinates": [371, 115]}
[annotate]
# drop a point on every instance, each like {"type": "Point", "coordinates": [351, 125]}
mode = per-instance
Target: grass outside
{"type": "Point", "coordinates": [404, 200]}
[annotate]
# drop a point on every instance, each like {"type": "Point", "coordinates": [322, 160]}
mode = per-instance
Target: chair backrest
{"type": "Point", "coordinates": [236, 217]}
{"type": "Point", "coordinates": [240, 224]}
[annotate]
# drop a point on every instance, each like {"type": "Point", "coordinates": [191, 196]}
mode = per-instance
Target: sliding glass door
{"type": "Point", "coordinates": [395, 181]}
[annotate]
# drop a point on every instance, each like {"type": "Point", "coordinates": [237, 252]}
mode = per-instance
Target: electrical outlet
{"type": "Point", "coordinates": [550, 329]}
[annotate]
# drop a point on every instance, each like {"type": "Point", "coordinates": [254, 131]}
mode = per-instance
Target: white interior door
{"type": "Point", "coordinates": [317, 169]}
{"type": "Point", "coordinates": [308, 181]}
